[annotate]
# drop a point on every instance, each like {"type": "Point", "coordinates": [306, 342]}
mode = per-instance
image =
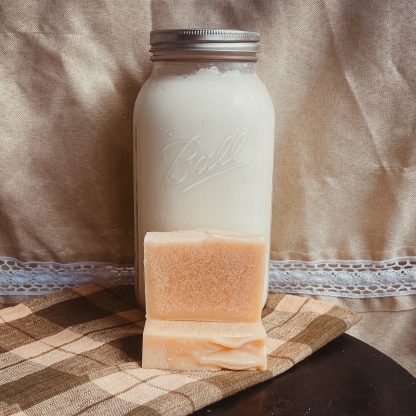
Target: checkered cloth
{"type": "Point", "coordinates": [78, 353]}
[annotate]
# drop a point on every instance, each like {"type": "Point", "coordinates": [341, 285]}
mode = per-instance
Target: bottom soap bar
{"type": "Point", "coordinates": [191, 345]}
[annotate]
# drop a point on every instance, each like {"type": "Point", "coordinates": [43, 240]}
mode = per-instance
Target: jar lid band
{"type": "Point", "coordinates": [226, 43]}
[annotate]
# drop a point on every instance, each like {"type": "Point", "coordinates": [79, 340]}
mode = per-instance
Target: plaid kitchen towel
{"type": "Point", "coordinates": [78, 353]}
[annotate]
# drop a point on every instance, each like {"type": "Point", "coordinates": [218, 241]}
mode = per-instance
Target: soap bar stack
{"type": "Point", "coordinates": [203, 301]}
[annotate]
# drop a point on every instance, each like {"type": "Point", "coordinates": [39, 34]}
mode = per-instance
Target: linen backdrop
{"type": "Point", "coordinates": [342, 75]}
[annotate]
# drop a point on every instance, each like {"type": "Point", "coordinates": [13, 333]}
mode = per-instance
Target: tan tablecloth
{"type": "Point", "coordinates": [342, 76]}
{"type": "Point", "coordinates": [388, 324]}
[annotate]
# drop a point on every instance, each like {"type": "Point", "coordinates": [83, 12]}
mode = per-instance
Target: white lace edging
{"type": "Point", "coordinates": [346, 278]}
{"type": "Point", "coordinates": [37, 278]}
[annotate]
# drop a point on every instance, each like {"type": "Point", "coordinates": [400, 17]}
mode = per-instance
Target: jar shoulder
{"type": "Point", "coordinates": [142, 95]}
{"type": "Point", "coordinates": [203, 94]}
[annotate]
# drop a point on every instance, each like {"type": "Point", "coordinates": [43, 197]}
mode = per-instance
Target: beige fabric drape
{"type": "Point", "coordinates": [343, 80]}
{"type": "Point", "coordinates": [388, 324]}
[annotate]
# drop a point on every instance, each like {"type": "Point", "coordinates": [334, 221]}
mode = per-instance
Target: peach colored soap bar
{"type": "Point", "coordinates": [204, 275]}
{"type": "Point", "coordinates": [181, 345]}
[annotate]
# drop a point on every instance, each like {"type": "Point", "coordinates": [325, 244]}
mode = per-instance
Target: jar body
{"type": "Point", "coordinates": [204, 148]}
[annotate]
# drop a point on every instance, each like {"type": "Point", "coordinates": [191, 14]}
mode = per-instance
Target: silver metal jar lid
{"type": "Point", "coordinates": [225, 43]}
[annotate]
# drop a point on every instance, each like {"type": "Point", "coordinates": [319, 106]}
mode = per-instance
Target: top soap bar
{"type": "Point", "coordinates": [204, 275]}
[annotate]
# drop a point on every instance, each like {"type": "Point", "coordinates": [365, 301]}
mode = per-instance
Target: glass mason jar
{"type": "Point", "coordinates": [203, 138]}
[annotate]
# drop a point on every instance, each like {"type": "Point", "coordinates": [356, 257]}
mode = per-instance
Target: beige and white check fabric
{"type": "Point", "coordinates": [78, 353]}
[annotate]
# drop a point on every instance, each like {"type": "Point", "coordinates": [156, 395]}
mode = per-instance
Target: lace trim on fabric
{"type": "Point", "coordinates": [37, 278]}
{"type": "Point", "coordinates": [345, 278]}
{"type": "Point", "coordinates": [352, 278]}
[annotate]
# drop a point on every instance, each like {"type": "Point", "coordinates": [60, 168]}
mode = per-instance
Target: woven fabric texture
{"type": "Point", "coordinates": [342, 76]}
{"type": "Point", "coordinates": [79, 351]}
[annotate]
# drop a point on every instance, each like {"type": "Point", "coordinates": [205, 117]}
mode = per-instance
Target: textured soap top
{"type": "Point", "coordinates": [204, 275]}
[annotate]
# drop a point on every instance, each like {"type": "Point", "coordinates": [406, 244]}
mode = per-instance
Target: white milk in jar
{"type": "Point", "coordinates": [203, 138]}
